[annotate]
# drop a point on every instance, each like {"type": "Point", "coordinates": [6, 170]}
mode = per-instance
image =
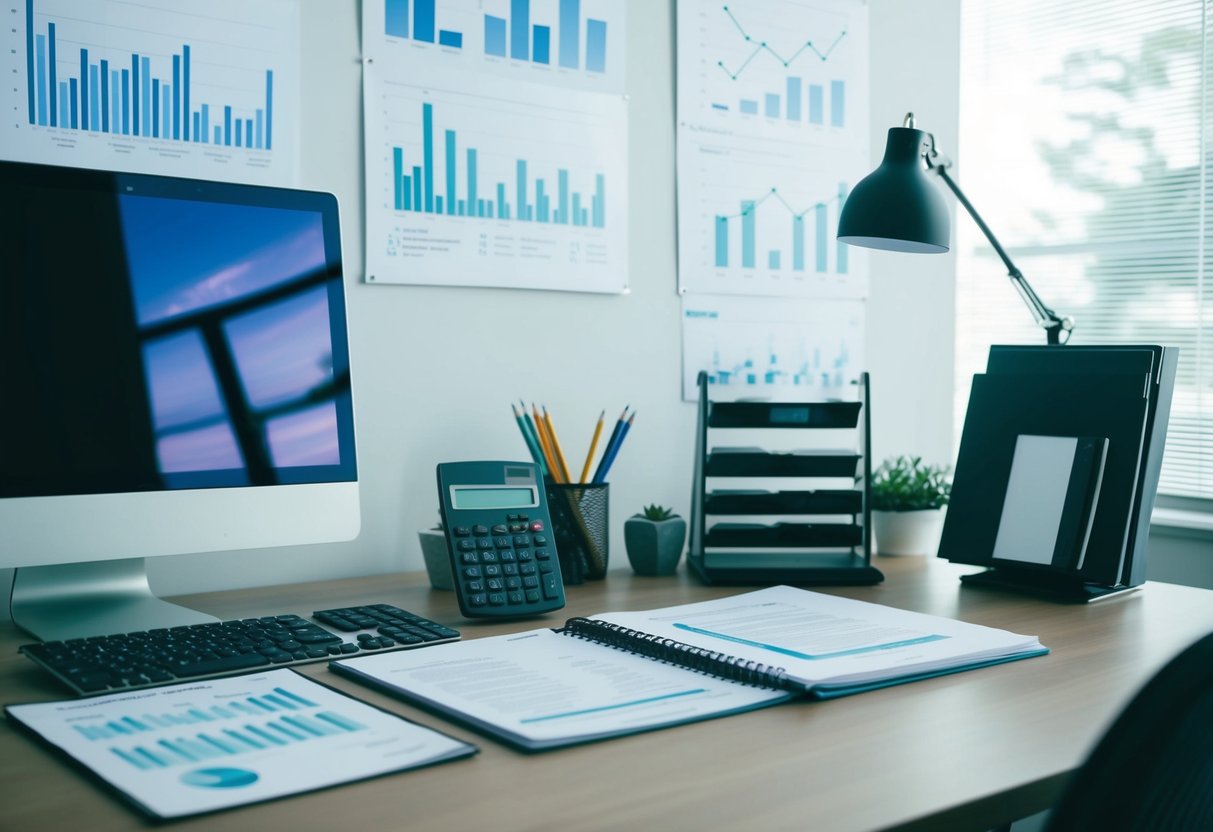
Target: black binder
{"type": "Point", "coordinates": [1159, 363]}
{"type": "Point", "coordinates": [1122, 393]}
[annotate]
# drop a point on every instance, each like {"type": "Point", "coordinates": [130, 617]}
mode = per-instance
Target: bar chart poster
{"type": "Point", "coordinates": [216, 743]}
{"type": "Point", "coordinates": [772, 133]}
{"type": "Point", "coordinates": [761, 218]}
{"type": "Point", "coordinates": [575, 44]}
{"type": "Point", "coordinates": [770, 348]}
{"type": "Point", "coordinates": [163, 86]}
{"type": "Point", "coordinates": [474, 180]}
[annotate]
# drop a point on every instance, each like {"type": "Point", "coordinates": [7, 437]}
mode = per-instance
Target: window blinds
{"type": "Point", "coordinates": [1085, 144]}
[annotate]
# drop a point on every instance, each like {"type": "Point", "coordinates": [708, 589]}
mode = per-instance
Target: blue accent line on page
{"type": "Point", "coordinates": [614, 707]}
{"type": "Point", "coordinates": [855, 651]}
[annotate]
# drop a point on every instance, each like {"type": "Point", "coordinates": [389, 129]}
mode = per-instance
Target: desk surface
{"type": "Point", "coordinates": [968, 751]}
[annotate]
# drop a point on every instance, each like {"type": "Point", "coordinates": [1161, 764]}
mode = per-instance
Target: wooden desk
{"type": "Point", "coordinates": [968, 751]}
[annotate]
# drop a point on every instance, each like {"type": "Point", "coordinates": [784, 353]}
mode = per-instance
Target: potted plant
{"type": "Point", "coordinates": [437, 556]}
{"type": "Point", "coordinates": [654, 540]}
{"type": "Point", "coordinates": [908, 499]}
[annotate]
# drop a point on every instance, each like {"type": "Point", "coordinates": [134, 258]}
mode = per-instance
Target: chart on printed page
{"type": "Point", "coordinates": [577, 44]}
{"type": "Point", "coordinates": [770, 348]}
{"type": "Point", "coordinates": [772, 135]}
{"type": "Point", "coordinates": [162, 86]}
{"type": "Point", "coordinates": [484, 172]}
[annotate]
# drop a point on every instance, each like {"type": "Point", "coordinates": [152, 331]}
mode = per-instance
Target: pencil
{"type": "Point", "coordinates": [609, 458]}
{"type": "Point", "coordinates": [599, 473]}
{"type": "Point", "coordinates": [564, 468]}
{"type": "Point", "coordinates": [589, 457]}
{"type": "Point", "coordinates": [531, 447]}
{"type": "Point", "coordinates": [546, 443]}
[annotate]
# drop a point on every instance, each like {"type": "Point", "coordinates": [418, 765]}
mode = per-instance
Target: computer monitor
{"type": "Point", "coordinates": [174, 378]}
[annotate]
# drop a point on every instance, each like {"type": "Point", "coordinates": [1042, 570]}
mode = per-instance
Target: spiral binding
{"type": "Point", "coordinates": [679, 653]}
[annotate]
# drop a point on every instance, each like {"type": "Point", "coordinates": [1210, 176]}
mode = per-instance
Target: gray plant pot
{"type": "Point", "coordinates": [437, 558]}
{"type": "Point", "coordinates": [654, 546]}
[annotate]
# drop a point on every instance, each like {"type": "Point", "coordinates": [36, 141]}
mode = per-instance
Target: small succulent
{"type": "Point", "coordinates": [657, 513]}
{"type": "Point", "coordinates": [905, 483]}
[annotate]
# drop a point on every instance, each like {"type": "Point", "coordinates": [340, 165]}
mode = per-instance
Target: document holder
{"type": "Point", "coordinates": [1121, 394]}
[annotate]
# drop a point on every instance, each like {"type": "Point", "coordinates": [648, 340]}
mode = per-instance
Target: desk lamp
{"type": "Point", "coordinates": [896, 208]}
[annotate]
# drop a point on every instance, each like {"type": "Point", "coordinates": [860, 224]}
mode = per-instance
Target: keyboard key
{"type": "Point", "coordinates": [142, 659]}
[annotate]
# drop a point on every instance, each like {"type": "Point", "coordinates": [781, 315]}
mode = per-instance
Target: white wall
{"type": "Point", "coordinates": [435, 369]}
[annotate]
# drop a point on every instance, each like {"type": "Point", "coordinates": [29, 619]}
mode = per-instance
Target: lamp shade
{"type": "Point", "coordinates": [897, 207]}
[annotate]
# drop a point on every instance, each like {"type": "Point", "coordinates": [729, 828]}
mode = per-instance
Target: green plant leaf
{"type": "Point", "coordinates": [906, 483]}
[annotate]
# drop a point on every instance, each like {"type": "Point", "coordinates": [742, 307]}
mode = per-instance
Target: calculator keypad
{"type": "Point", "coordinates": [506, 568]}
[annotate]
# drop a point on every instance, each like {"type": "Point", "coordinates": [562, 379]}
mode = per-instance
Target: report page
{"type": "Point", "coordinates": [216, 743]}
{"type": "Point", "coordinates": [543, 689]}
{"type": "Point", "coordinates": [822, 639]}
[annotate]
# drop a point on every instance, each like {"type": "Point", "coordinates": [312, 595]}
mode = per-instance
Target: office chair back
{"type": "Point", "coordinates": [1153, 769]}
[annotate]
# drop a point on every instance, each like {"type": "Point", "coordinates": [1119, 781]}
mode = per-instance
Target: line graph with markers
{"type": "Point", "coordinates": [772, 134]}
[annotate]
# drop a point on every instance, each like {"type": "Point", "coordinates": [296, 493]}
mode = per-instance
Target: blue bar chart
{"type": "Point", "coordinates": [488, 188]}
{"type": "Point", "coordinates": [770, 348]}
{"type": "Point", "coordinates": [539, 201]}
{"type": "Point", "coordinates": [111, 75]}
{"type": "Point", "coordinates": [572, 43]}
{"type": "Point", "coordinates": [418, 23]}
{"type": "Point", "coordinates": [198, 733]}
{"type": "Point", "coordinates": [773, 129]}
{"type": "Point", "coordinates": [821, 217]}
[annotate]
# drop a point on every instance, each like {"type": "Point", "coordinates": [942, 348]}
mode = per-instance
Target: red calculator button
{"type": "Point", "coordinates": [537, 526]}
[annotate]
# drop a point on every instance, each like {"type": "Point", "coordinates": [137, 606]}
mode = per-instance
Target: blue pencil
{"type": "Point", "coordinates": [608, 457]}
{"type": "Point", "coordinates": [599, 472]}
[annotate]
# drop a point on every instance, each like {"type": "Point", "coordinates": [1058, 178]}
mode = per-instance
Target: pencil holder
{"type": "Point", "coordinates": [579, 527]}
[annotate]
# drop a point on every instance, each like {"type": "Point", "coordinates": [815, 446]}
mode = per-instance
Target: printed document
{"type": "Point", "coordinates": [207, 745]}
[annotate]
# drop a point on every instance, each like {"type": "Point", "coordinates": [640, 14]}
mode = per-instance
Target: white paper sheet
{"type": "Point", "coordinates": [208, 745]}
{"type": "Point", "coordinates": [826, 640]}
{"type": "Point", "coordinates": [544, 687]}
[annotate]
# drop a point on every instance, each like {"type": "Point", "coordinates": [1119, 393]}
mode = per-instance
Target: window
{"type": "Point", "coordinates": [1085, 143]}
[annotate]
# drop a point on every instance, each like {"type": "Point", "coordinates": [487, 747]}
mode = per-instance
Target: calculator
{"type": "Point", "coordinates": [499, 534]}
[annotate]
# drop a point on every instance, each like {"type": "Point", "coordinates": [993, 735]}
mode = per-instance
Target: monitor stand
{"type": "Point", "coordinates": [1065, 588]}
{"type": "Point", "coordinates": [76, 600]}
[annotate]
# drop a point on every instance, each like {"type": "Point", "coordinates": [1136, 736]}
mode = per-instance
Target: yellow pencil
{"type": "Point", "coordinates": [545, 444]}
{"type": "Point", "coordinates": [589, 457]}
{"type": "Point", "coordinates": [564, 468]}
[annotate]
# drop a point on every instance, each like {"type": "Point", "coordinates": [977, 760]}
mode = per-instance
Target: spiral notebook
{"type": "Point", "coordinates": [622, 673]}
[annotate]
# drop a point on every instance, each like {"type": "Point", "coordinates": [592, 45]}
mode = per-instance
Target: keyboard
{"type": "Point", "coordinates": [131, 661]}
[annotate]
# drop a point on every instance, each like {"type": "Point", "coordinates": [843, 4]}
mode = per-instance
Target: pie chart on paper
{"type": "Point", "coordinates": [219, 778]}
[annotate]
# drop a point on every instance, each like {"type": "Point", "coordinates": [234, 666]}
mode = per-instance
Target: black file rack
{"type": "Point", "coordinates": [809, 535]}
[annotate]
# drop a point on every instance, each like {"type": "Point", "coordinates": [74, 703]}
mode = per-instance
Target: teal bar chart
{"type": "Point", "coordinates": [530, 203]}
{"type": "Point", "coordinates": [156, 88]}
{"type": "Point", "coordinates": [790, 238]}
{"type": "Point", "coordinates": [772, 129]}
{"type": "Point", "coordinates": [576, 43]}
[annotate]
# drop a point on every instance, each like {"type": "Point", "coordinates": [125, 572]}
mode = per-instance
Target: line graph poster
{"type": "Point", "coordinates": [476, 178]}
{"type": "Point", "coordinates": [772, 134]}
{"type": "Point", "coordinates": [770, 348]}
{"type": "Point", "coordinates": [159, 87]}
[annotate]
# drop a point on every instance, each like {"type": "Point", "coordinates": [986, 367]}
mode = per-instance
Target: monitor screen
{"type": "Point", "coordinates": [176, 379]}
{"type": "Point", "coordinates": [160, 334]}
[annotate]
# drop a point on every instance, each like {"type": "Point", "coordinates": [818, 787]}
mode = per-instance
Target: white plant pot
{"type": "Point", "coordinates": [907, 532]}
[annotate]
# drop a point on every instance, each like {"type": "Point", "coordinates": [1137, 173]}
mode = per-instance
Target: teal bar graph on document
{"type": "Point", "coordinates": [520, 38]}
{"type": "Point", "coordinates": [142, 99]}
{"type": "Point", "coordinates": [761, 218]}
{"type": "Point", "coordinates": [413, 186]}
{"type": "Point", "coordinates": [240, 738]}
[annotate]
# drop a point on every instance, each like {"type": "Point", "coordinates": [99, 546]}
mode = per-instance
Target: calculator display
{"type": "Point", "coordinates": [480, 497]}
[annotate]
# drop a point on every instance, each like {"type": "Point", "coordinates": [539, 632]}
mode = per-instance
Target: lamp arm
{"type": "Point", "coordinates": [1052, 323]}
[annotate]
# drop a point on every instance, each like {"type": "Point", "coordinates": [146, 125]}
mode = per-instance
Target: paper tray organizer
{"type": "Point", "coordinates": [817, 535]}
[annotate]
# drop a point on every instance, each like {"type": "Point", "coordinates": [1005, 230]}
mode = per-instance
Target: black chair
{"type": "Point", "coordinates": [1153, 769]}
